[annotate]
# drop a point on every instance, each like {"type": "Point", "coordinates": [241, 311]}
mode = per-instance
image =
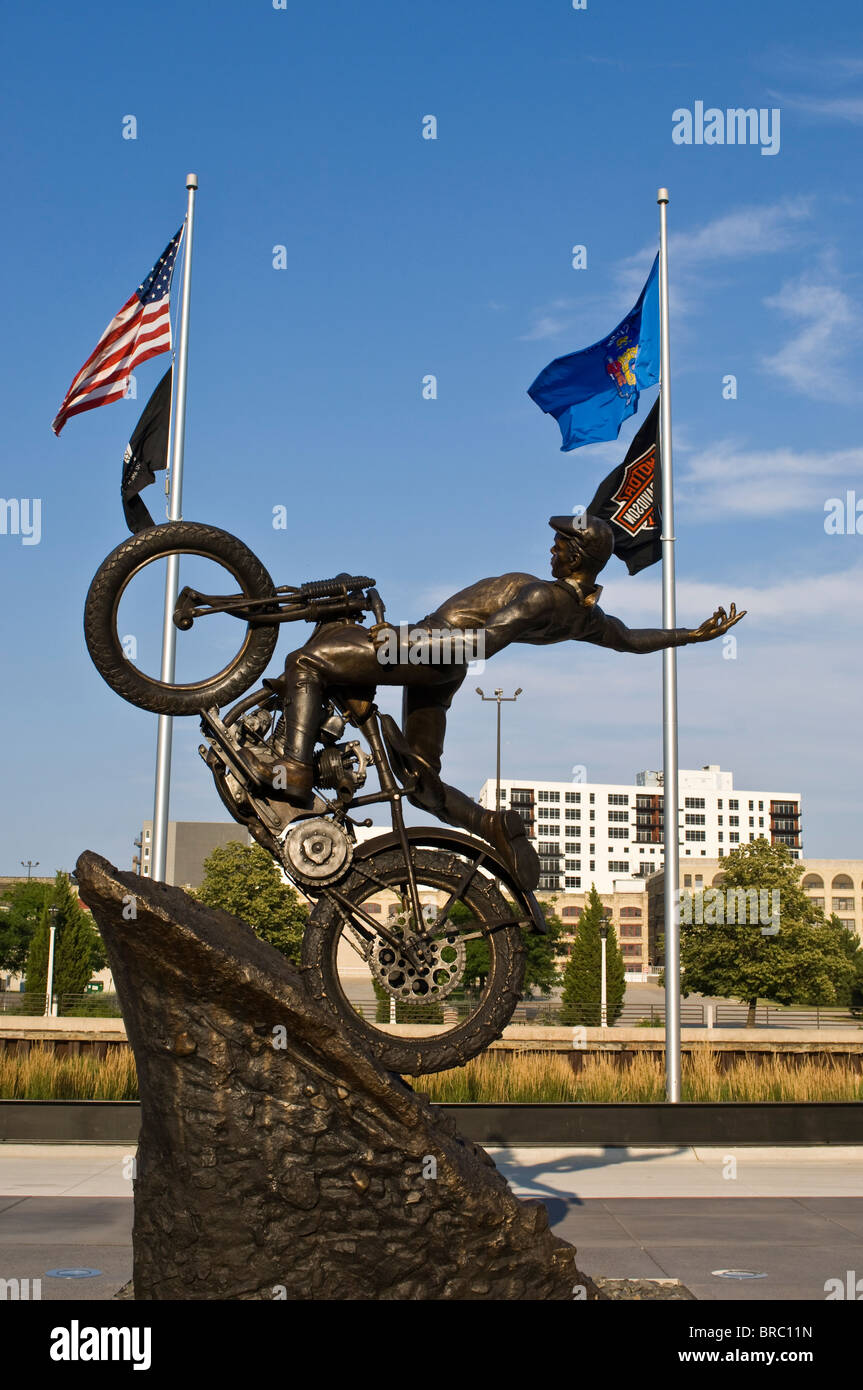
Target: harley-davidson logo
{"type": "Point", "coordinates": [635, 502]}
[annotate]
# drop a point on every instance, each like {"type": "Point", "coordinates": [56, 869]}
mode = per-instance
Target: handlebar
{"type": "Point", "coordinates": [334, 588]}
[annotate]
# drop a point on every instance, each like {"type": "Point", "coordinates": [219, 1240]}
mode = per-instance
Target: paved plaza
{"type": "Point", "coordinates": [794, 1215]}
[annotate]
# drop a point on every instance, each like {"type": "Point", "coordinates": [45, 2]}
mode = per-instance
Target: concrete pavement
{"type": "Point", "coordinates": [794, 1215]}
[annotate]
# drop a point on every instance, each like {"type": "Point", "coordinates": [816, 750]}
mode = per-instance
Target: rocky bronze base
{"type": "Point", "coordinates": [278, 1161]}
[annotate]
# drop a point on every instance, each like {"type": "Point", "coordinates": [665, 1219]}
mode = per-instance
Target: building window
{"type": "Point", "coordinates": [696, 820]}
{"type": "Point", "coordinates": [549, 881]}
{"type": "Point", "coordinates": [373, 907]}
{"type": "Point", "coordinates": [574, 865]}
{"type": "Point", "coordinates": [630, 912]}
{"type": "Point", "coordinates": [522, 796]}
{"type": "Point", "coordinates": [572, 796]}
{"type": "Point", "coordinates": [573, 883]}
{"type": "Point", "coordinates": [570, 814]}
{"type": "Point", "coordinates": [572, 846]}
{"type": "Point", "coordinates": [694, 803]}
{"type": "Point", "coordinates": [618, 832]}
{"type": "Point", "coordinates": [571, 911]}
{"type": "Point", "coordinates": [734, 837]}
{"type": "Point", "coordinates": [618, 866]}
{"type": "Point", "coordinates": [734, 805]}
{"type": "Point", "coordinates": [618, 798]}
{"type": "Point", "coordinates": [630, 950]}
{"type": "Point", "coordinates": [630, 929]}
{"type": "Point", "coordinates": [847, 922]}
{"type": "Point", "coordinates": [592, 798]}
{"type": "Point", "coordinates": [751, 821]}
{"type": "Point", "coordinates": [843, 904]}
{"type": "Point", "coordinates": [618, 816]}
{"type": "Point", "coordinates": [696, 835]}
{"type": "Point", "coordinates": [733, 820]}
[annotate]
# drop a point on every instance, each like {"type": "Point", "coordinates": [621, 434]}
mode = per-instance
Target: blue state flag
{"type": "Point", "coordinates": [590, 393]}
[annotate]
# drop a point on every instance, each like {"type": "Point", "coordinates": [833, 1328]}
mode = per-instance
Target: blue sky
{"type": "Point", "coordinates": [407, 257]}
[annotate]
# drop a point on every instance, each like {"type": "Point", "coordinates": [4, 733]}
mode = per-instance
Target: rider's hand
{"type": "Point", "coordinates": [717, 625]}
{"type": "Point", "coordinates": [379, 632]}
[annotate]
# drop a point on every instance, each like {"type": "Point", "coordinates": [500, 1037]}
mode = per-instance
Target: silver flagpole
{"type": "Point", "coordinates": [159, 856]}
{"type": "Point", "coordinates": [669, 687]}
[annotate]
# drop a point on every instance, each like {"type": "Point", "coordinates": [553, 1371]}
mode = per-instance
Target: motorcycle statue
{"type": "Point", "coordinates": [450, 889]}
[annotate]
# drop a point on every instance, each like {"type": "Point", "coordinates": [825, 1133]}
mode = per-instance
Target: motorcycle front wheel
{"type": "Point", "coordinates": [113, 651]}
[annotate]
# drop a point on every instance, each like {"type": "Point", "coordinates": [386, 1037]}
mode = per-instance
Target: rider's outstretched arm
{"type": "Point", "coordinates": [620, 638]}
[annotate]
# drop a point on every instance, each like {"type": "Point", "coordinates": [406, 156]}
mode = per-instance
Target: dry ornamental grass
{"type": "Point", "coordinates": [500, 1077]}
{"type": "Point", "coordinates": [495, 1078]}
{"type": "Point", "coordinates": [41, 1076]}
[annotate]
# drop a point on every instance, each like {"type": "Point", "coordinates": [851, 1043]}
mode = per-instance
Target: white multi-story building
{"type": "Point", "coordinates": [608, 833]}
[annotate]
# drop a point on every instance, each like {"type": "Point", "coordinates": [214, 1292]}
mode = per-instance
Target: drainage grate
{"type": "Point", "coordinates": [737, 1274]}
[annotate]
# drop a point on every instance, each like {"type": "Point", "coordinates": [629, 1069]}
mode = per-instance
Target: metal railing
{"type": "Point", "coordinates": [67, 1005]}
{"type": "Point", "coordinates": [550, 1013]}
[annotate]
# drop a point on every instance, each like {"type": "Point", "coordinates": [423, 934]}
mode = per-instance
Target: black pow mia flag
{"type": "Point", "coordinates": [146, 452]}
{"type": "Point", "coordinates": [629, 499]}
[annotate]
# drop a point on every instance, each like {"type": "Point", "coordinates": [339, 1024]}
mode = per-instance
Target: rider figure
{"type": "Point", "coordinates": [513, 607]}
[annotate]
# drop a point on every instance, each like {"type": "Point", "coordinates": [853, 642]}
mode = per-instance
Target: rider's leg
{"type": "Point", "coordinates": [290, 768]}
{"type": "Point", "coordinates": [338, 655]}
{"type": "Point", "coordinates": [424, 724]}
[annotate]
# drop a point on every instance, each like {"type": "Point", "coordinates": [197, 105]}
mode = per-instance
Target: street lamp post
{"type": "Point", "coordinates": [603, 984]}
{"type": "Point", "coordinates": [49, 982]}
{"type": "Point", "coordinates": [29, 865]}
{"type": "Point", "coordinates": [499, 698]}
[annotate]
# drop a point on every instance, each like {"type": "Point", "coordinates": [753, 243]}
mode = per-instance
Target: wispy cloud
{"type": "Point", "coordinates": [815, 360]}
{"type": "Point", "coordinates": [730, 480]}
{"type": "Point", "coordinates": [747, 231]}
{"type": "Point", "coordinates": [821, 598]}
{"type": "Point", "coordinates": [831, 108]}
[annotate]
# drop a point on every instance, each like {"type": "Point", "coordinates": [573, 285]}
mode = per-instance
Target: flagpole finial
{"type": "Point", "coordinates": [191, 180]}
{"type": "Point", "coordinates": [662, 195]}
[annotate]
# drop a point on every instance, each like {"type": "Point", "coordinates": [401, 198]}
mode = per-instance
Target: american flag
{"type": "Point", "coordinates": [142, 329]}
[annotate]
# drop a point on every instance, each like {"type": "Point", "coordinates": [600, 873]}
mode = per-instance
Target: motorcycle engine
{"type": "Point", "coordinates": [317, 851]}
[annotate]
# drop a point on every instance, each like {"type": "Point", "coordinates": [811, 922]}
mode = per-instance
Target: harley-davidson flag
{"type": "Point", "coordinates": [146, 452]}
{"type": "Point", "coordinates": [629, 499]}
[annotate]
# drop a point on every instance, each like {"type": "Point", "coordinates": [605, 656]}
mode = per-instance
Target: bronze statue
{"type": "Point", "coordinates": [276, 754]}
{"type": "Point", "coordinates": [508, 608]}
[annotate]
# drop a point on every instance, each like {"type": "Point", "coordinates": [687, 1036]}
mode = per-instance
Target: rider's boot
{"type": "Point", "coordinates": [287, 763]}
{"type": "Point", "coordinates": [280, 772]}
{"type": "Point", "coordinates": [504, 830]}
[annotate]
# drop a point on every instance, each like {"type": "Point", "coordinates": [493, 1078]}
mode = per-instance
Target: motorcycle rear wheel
{"type": "Point", "coordinates": [443, 870]}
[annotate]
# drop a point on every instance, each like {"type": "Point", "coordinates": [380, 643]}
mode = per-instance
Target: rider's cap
{"type": "Point", "coordinates": [594, 536]}
{"type": "Point", "coordinates": [567, 525]}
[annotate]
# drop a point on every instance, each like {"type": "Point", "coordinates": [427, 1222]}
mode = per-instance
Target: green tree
{"type": "Point", "coordinates": [245, 881]}
{"type": "Point", "coordinates": [20, 910]}
{"type": "Point", "coordinates": [805, 962]}
{"type": "Point", "coordinates": [36, 966]}
{"type": "Point", "coordinates": [540, 971]}
{"type": "Point", "coordinates": [582, 977]}
{"type": "Point", "coordinates": [78, 949]}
